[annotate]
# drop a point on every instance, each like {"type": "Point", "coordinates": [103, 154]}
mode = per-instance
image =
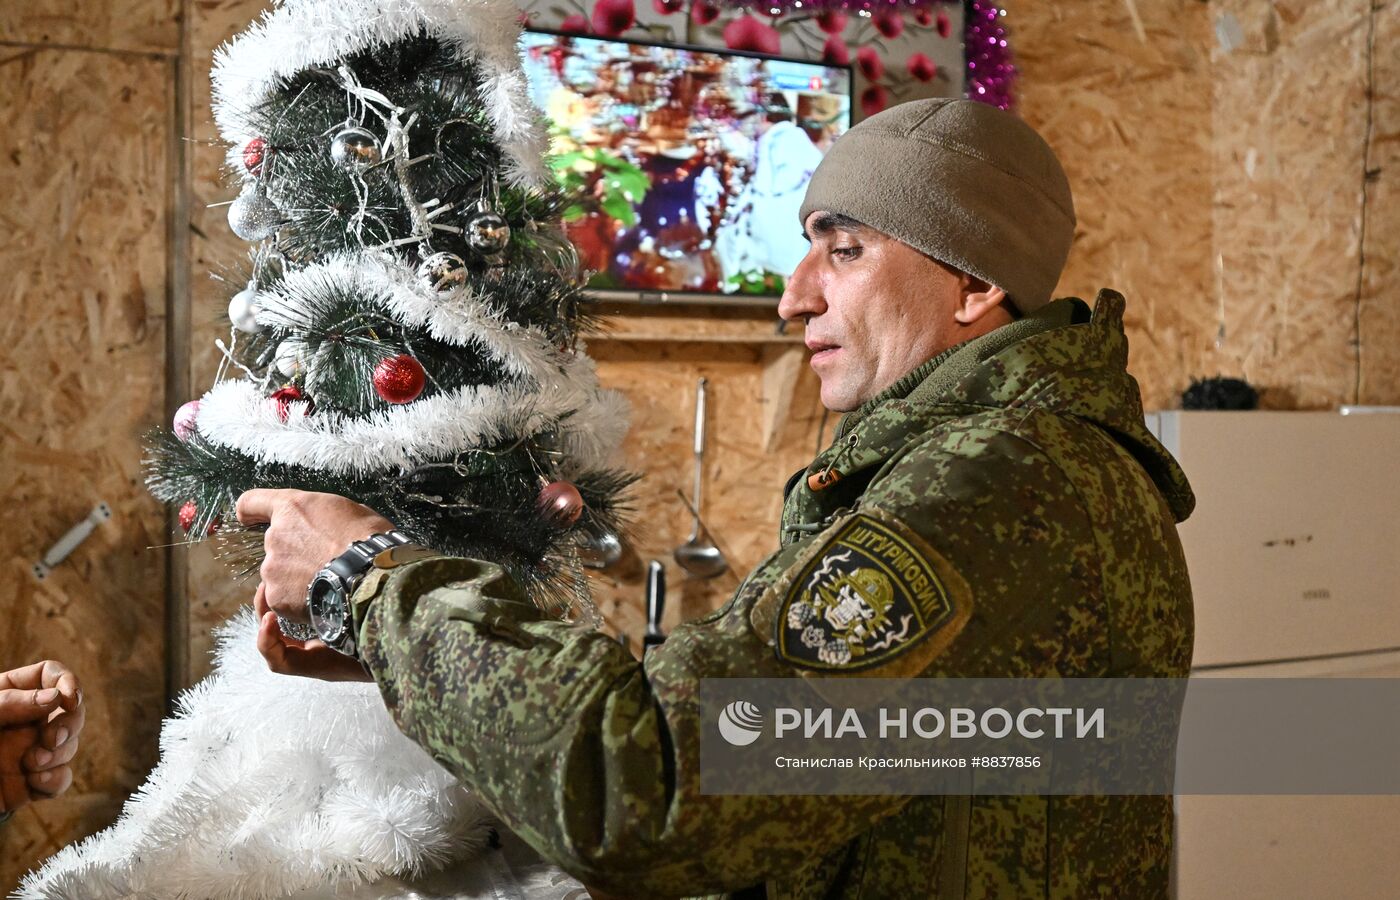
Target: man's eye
{"type": "Point", "coordinates": [846, 253]}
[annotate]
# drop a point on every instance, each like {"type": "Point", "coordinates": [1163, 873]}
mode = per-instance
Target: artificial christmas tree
{"type": "Point", "coordinates": [406, 336]}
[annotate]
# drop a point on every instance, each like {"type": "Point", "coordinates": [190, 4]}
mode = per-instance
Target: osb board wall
{"type": "Point", "coordinates": [1218, 182]}
{"type": "Point", "coordinates": [1130, 121]}
{"type": "Point", "coordinates": [1379, 317]}
{"type": "Point", "coordinates": [85, 183]}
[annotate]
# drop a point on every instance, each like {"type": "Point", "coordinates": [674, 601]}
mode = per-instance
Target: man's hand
{"type": "Point", "coordinates": [41, 715]}
{"type": "Point", "coordinates": [304, 532]}
{"type": "Point", "coordinates": [309, 659]}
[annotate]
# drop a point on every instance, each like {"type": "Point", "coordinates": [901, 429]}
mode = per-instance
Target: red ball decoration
{"type": "Point", "coordinates": [748, 33]}
{"type": "Point", "coordinates": [284, 398]}
{"type": "Point", "coordinates": [831, 22]}
{"type": "Point", "coordinates": [561, 502]}
{"type": "Point", "coordinates": [889, 23]}
{"type": "Point", "coordinates": [189, 512]}
{"type": "Point", "coordinates": [873, 99]}
{"type": "Point", "coordinates": [254, 152]}
{"type": "Point", "coordinates": [921, 67]}
{"type": "Point", "coordinates": [612, 17]}
{"type": "Point", "coordinates": [871, 65]}
{"type": "Point", "coordinates": [835, 52]}
{"type": "Point", "coordinates": [399, 379]}
{"type": "Point", "coordinates": [704, 12]}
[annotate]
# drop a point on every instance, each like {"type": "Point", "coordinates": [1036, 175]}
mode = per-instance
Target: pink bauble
{"type": "Point", "coordinates": [561, 502]}
{"type": "Point", "coordinates": [185, 417]}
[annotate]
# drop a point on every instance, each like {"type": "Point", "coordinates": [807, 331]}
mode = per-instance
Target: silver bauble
{"type": "Point", "coordinates": [355, 149]}
{"type": "Point", "coordinates": [252, 215]}
{"type": "Point", "coordinates": [288, 357]}
{"type": "Point", "coordinates": [242, 309]}
{"type": "Point", "coordinates": [442, 272]}
{"type": "Point", "coordinates": [487, 233]}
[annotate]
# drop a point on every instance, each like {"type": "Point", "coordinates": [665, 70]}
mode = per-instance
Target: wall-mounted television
{"type": "Point", "coordinates": [688, 165]}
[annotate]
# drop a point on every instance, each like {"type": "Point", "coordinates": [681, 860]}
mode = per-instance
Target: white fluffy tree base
{"type": "Point", "coordinates": [270, 786]}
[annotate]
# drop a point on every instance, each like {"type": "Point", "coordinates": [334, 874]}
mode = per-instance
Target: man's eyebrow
{"type": "Point", "coordinates": [826, 223]}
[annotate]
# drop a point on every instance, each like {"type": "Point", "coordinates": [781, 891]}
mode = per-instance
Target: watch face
{"type": "Point", "coordinates": [327, 608]}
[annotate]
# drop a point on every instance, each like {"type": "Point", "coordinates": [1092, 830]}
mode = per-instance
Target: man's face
{"type": "Point", "coordinates": [875, 308]}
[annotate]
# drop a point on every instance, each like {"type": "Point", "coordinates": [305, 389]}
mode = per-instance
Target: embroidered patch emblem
{"type": "Point", "coordinates": [868, 596]}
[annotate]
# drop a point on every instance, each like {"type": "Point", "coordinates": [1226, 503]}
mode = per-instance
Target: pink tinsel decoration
{"type": "Point", "coordinates": [848, 6]}
{"type": "Point", "coordinates": [990, 73]}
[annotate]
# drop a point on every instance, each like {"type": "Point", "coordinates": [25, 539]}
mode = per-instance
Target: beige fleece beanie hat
{"type": "Point", "coordinates": [963, 182]}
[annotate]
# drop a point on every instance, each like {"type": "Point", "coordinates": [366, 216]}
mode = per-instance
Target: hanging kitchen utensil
{"type": "Point", "coordinates": [600, 551]}
{"type": "Point", "coordinates": [699, 556]}
{"type": "Point", "coordinates": [656, 605]}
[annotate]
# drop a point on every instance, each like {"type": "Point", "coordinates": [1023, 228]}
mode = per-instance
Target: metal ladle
{"type": "Point", "coordinates": [600, 551]}
{"type": "Point", "coordinates": [699, 556]}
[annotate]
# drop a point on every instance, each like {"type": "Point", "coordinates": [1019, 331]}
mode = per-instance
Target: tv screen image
{"type": "Point", "coordinates": [689, 166]}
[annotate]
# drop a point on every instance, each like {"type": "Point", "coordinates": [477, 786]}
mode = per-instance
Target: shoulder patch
{"type": "Point", "coordinates": [872, 595]}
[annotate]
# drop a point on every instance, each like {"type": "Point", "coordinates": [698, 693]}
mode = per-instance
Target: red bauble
{"type": "Point", "coordinates": [704, 12]}
{"type": "Point", "coordinates": [254, 152]}
{"type": "Point", "coordinates": [870, 63]}
{"type": "Point", "coordinates": [944, 26]}
{"type": "Point", "coordinates": [924, 17]}
{"type": "Point", "coordinates": [612, 17]}
{"type": "Point", "coordinates": [748, 33]}
{"type": "Point", "coordinates": [284, 398]}
{"type": "Point", "coordinates": [831, 22]}
{"type": "Point", "coordinates": [889, 23]}
{"type": "Point", "coordinates": [561, 502]}
{"type": "Point", "coordinates": [574, 24]}
{"type": "Point", "coordinates": [921, 67]}
{"type": "Point", "coordinates": [873, 99]}
{"type": "Point", "coordinates": [835, 52]}
{"type": "Point", "coordinates": [189, 512]}
{"type": "Point", "coordinates": [399, 379]}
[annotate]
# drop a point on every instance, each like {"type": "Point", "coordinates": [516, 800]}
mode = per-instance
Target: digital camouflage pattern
{"type": "Point", "coordinates": [1018, 467]}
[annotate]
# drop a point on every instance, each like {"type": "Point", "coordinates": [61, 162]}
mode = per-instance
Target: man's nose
{"type": "Point", "coordinates": [802, 294]}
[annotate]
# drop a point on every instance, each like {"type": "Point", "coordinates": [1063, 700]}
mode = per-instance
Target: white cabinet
{"type": "Point", "coordinates": [1294, 556]}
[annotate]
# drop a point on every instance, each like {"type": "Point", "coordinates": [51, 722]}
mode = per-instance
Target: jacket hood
{"type": "Point", "coordinates": [1063, 358]}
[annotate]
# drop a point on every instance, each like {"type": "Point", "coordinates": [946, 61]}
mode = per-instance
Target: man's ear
{"type": "Point", "coordinates": [978, 299]}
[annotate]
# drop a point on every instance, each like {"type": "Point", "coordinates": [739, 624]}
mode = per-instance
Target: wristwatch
{"type": "Point", "coordinates": [328, 597]}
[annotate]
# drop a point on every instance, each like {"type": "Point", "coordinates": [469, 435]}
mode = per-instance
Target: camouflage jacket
{"type": "Point", "coordinates": [1017, 470]}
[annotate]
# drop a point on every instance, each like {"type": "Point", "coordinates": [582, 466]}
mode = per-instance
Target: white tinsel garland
{"type": "Point", "coordinates": [300, 34]}
{"type": "Point", "coordinates": [269, 785]}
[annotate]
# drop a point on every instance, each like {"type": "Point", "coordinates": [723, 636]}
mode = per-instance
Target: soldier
{"type": "Point", "coordinates": [992, 437]}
